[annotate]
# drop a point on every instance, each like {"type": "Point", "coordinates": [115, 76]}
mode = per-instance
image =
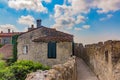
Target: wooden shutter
{"type": "Point", "coordinates": [52, 50]}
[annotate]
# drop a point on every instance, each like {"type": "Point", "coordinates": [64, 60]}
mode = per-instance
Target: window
{"type": "Point", "coordinates": [25, 49]}
{"type": "Point", "coordinates": [52, 50]}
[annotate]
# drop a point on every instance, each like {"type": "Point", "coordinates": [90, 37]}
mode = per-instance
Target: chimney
{"type": "Point", "coordinates": [12, 31]}
{"type": "Point", "coordinates": [32, 26]}
{"type": "Point", "coordinates": [38, 23]}
{"type": "Point", "coordinates": [8, 30]}
{"type": "Point", "coordinates": [1, 31]}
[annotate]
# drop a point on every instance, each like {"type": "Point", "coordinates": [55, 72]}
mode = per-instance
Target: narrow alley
{"type": "Point", "coordinates": [83, 71]}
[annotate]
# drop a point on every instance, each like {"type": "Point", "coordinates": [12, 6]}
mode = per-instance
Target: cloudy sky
{"type": "Point", "coordinates": [90, 21]}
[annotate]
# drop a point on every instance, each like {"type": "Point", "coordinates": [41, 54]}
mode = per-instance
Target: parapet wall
{"type": "Point", "coordinates": [102, 58]}
{"type": "Point", "coordinates": [66, 71]}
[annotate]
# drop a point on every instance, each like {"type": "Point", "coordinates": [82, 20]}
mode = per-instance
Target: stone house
{"type": "Point", "coordinates": [6, 49]}
{"type": "Point", "coordinates": [6, 38]}
{"type": "Point", "coordinates": [45, 45]}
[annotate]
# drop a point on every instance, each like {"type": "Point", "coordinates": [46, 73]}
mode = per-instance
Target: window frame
{"type": "Point", "coordinates": [25, 49]}
{"type": "Point", "coordinates": [51, 49]}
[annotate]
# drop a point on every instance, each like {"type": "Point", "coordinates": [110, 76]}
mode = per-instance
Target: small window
{"type": "Point", "coordinates": [25, 49]}
{"type": "Point", "coordinates": [52, 50]}
{"type": "Point", "coordinates": [106, 56]}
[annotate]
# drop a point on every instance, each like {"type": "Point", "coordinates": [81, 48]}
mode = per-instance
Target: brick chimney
{"type": "Point", "coordinates": [31, 28]}
{"type": "Point", "coordinates": [8, 30]}
{"type": "Point", "coordinates": [12, 31]}
{"type": "Point", "coordinates": [1, 31]}
{"type": "Point", "coordinates": [38, 23]}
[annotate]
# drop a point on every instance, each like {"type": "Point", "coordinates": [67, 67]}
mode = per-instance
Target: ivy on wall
{"type": "Point", "coordinates": [14, 42]}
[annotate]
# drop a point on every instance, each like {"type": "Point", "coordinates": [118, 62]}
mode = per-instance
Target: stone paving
{"type": "Point", "coordinates": [84, 72]}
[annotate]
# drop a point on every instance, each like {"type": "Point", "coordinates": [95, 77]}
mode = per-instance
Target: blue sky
{"type": "Point", "coordinates": [90, 21]}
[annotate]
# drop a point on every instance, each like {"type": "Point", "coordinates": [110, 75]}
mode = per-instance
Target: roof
{"type": "Point", "coordinates": [52, 35]}
{"type": "Point", "coordinates": [53, 38]}
{"type": "Point", "coordinates": [54, 32]}
{"type": "Point", "coordinates": [46, 28]}
{"type": "Point", "coordinates": [6, 51]}
{"type": "Point", "coordinates": [9, 34]}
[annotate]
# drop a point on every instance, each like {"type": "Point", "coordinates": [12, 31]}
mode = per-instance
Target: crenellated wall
{"type": "Point", "coordinates": [102, 58]}
{"type": "Point", "coordinates": [66, 71]}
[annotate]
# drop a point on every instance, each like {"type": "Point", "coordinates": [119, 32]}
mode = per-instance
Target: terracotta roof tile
{"type": "Point", "coordinates": [52, 35]}
{"type": "Point", "coordinates": [6, 51]}
{"type": "Point", "coordinates": [50, 30]}
{"type": "Point", "coordinates": [53, 38]}
{"type": "Point", "coordinates": [9, 34]}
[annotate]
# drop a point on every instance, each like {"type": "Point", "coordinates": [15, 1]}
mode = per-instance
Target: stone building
{"type": "Point", "coordinates": [45, 45]}
{"type": "Point", "coordinates": [6, 49]}
{"type": "Point", "coordinates": [6, 38]}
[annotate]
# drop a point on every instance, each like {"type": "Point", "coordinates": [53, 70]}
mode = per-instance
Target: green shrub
{"type": "Point", "coordinates": [23, 67]}
{"type": "Point", "coordinates": [19, 69]}
{"type": "Point", "coordinates": [2, 64]}
{"type": "Point", "coordinates": [5, 72]}
{"type": "Point", "coordinates": [1, 45]}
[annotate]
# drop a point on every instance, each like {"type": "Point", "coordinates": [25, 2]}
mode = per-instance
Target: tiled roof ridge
{"type": "Point", "coordinates": [54, 38]}
{"type": "Point", "coordinates": [58, 31]}
{"type": "Point", "coordinates": [43, 27]}
{"type": "Point", "coordinates": [9, 34]}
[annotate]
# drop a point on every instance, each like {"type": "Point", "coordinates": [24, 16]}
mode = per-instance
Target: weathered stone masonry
{"type": "Point", "coordinates": [66, 71]}
{"type": "Point", "coordinates": [38, 51]}
{"type": "Point", "coordinates": [102, 58]}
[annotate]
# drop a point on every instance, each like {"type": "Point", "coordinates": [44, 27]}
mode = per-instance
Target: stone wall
{"type": "Point", "coordinates": [66, 71]}
{"type": "Point", "coordinates": [6, 51]}
{"type": "Point", "coordinates": [102, 58]}
{"type": "Point", "coordinates": [38, 51]}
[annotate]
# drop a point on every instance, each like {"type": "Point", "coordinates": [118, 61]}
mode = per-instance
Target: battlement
{"type": "Point", "coordinates": [103, 58]}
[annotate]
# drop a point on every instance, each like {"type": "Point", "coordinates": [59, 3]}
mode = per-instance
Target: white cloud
{"type": "Point", "coordinates": [5, 28]}
{"type": "Point", "coordinates": [107, 17]}
{"type": "Point", "coordinates": [26, 20]}
{"type": "Point", "coordinates": [35, 5]}
{"type": "Point", "coordinates": [48, 1]}
{"type": "Point", "coordinates": [79, 6]}
{"type": "Point", "coordinates": [106, 6]}
{"type": "Point", "coordinates": [65, 21]}
{"type": "Point", "coordinates": [67, 16]}
{"type": "Point", "coordinates": [80, 19]}
{"type": "Point", "coordinates": [64, 17]}
{"type": "Point", "coordinates": [86, 26]}
{"type": "Point", "coordinates": [77, 29]}
{"type": "Point", "coordinates": [25, 29]}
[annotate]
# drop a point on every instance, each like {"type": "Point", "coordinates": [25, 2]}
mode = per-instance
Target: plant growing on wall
{"type": "Point", "coordinates": [14, 42]}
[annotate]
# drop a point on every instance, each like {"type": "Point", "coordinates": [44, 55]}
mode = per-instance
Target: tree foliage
{"type": "Point", "coordinates": [19, 69]}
